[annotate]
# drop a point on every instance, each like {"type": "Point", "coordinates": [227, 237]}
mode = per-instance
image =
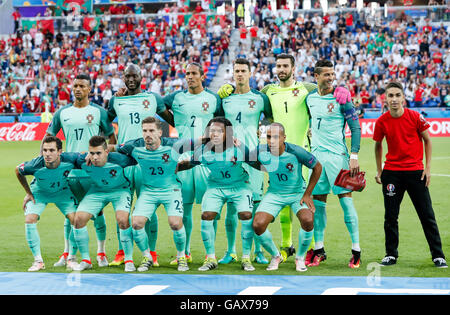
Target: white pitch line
{"type": "Point", "coordinates": [443, 175]}
{"type": "Point", "coordinates": [259, 291]}
{"type": "Point", "coordinates": [145, 290]}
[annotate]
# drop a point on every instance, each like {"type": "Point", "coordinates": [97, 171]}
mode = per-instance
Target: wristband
{"type": "Point", "coordinates": [353, 156]}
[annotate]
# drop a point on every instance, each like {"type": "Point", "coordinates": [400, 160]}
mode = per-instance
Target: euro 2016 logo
{"type": "Point", "coordinates": [165, 157]}
{"type": "Point", "coordinates": [390, 188]}
{"type": "Point", "coordinates": [89, 118]}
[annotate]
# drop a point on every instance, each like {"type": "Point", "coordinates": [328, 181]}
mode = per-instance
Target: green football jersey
{"type": "Point", "coordinates": [285, 171]}
{"type": "Point", "coordinates": [48, 180]}
{"type": "Point", "coordinates": [157, 166]}
{"type": "Point", "coordinates": [328, 120]}
{"type": "Point", "coordinates": [80, 124]}
{"type": "Point", "coordinates": [131, 110]}
{"type": "Point", "coordinates": [289, 109]}
{"type": "Point", "coordinates": [244, 111]}
{"type": "Point", "coordinates": [110, 176]}
{"type": "Point", "coordinates": [192, 112]}
{"type": "Point", "coordinates": [226, 167]}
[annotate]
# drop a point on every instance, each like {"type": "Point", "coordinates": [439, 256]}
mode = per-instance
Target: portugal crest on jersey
{"type": "Point", "coordinates": [290, 167]}
{"type": "Point", "coordinates": [89, 118]}
{"type": "Point", "coordinates": [113, 173]}
{"type": "Point", "coordinates": [165, 157]}
{"type": "Point", "coordinates": [330, 107]}
{"type": "Point", "coordinates": [205, 106]}
{"type": "Point", "coordinates": [295, 92]}
{"type": "Point", "coordinates": [234, 160]}
{"type": "Point", "coordinates": [251, 104]}
{"type": "Point", "coordinates": [146, 103]}
{"type": "Point", "coordinates": [66, 173]}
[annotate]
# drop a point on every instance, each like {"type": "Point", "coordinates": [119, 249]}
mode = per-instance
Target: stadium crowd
{"type": "Point", "coordinates": [366, 56]}
{"type": "Point", "coordinates": [37, 68]}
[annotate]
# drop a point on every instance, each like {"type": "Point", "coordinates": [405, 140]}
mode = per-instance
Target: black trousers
{"type": "Point", "coordinates": [395, 183]}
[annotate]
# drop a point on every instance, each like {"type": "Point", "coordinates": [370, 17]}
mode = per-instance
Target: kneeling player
{"type": "Point", "coordinates": [283, 161]}
{"type": "Point", "coordinates": [227, 182]}
{"type": "Point", "coordinates": [50, 185]}
{"type": "Point", "coordinates": [158, 158]}
{"type": "Point", "coordinates": [109, 185]}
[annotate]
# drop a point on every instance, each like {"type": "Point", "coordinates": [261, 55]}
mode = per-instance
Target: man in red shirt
{"type": "Point", "coordinates": [405, 130]}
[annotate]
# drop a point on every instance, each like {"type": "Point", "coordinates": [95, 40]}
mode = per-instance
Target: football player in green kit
{"type": "Point", "coordinates": [328, 120]}
{"type": "Point", "coordinates": [244, 108]}
{"type": "Point", "coordinates": [283, 161]}
{"type": "Point", "coordinates": [109, 184]}
{"type": "Point", "coordinates": [158, 159]}
{"type": "Point", "coordinates": [50, 185]}
{"type": "Point", "coordinates": [192, 110]}
{"type": "Point", "coordinates": [131, 109]}
{"type": "Point", "coordinates": [79, 122]}
{"type": "Point", "coordinates": [227, 182]}
{"type": "Point", "coordinates": [287, 99]}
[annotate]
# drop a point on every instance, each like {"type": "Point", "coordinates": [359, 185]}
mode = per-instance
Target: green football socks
{"type": "Point", "coordinates": [33, 240]}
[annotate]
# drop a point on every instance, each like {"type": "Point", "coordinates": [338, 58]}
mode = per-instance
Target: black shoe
{"type": "Point", "coordinates": [440, 262]}
{"type": "Point", "coordinates": [388, 261]}
{"type": "Point", "coordinates": [287, 251]}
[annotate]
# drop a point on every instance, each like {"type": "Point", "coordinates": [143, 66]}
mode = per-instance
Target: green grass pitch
{"type": "Point", "coordinates": [414, 255]}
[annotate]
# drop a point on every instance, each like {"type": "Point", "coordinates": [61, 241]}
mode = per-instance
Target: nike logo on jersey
{"type": "Point", "coordinates": [66, 119]}
{"type": "Point", "coordinates": [181, 105]}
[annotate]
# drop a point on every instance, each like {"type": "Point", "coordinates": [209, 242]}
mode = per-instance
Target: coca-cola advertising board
{"type": "Point", "coordinates": [439, 127]}
{"type": "Point", "coordinates": [24, 131]}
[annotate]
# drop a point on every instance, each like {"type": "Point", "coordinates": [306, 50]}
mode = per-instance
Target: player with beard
{"type": "Point", "coordinates": [131, 108]}
{"type": "Point", "coordinates": [287, 99]}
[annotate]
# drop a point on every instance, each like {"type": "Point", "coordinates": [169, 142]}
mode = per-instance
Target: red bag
{"type": "Point", "coordinates": [355, 183]}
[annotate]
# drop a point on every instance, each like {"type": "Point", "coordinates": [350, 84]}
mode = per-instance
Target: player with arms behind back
{"type": "Point", "coordinates": [192, 110]}
{"type": "Point", "coordinates": [79, 122]}
{"type": "Point", "coordinates": [287, 99]}
{"type": "Point", "coordinates": [131, 108]}
{"type": "Point", "coordinates": [244, 108]}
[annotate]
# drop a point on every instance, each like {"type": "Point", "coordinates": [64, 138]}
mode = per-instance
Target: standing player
{"type": "Point", "coordinates": [50, 185]}
{"type": "Point", "coordinates": [244, 108]}
{"type": "Point", "coordinates": [403, 170]}
{"type": "Point", "coordinates": [158, 158]}
{"type": "Point", "coordinates": [287, 99]}
{"type": "Point", "coordinates": [192, 110]}
{"type": "Point", "coordinates": [328, 119]}
{"type": "Point", "coordinates": [227, 182]}
{"type": "Point", "coordinates": [79, 122]}
{"type": "Point", "coordinates": [109, 184]}
{"type": "Point", "coordinates": [283, 161]}
{"type": "Point", "coordinates": [130, 109]}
